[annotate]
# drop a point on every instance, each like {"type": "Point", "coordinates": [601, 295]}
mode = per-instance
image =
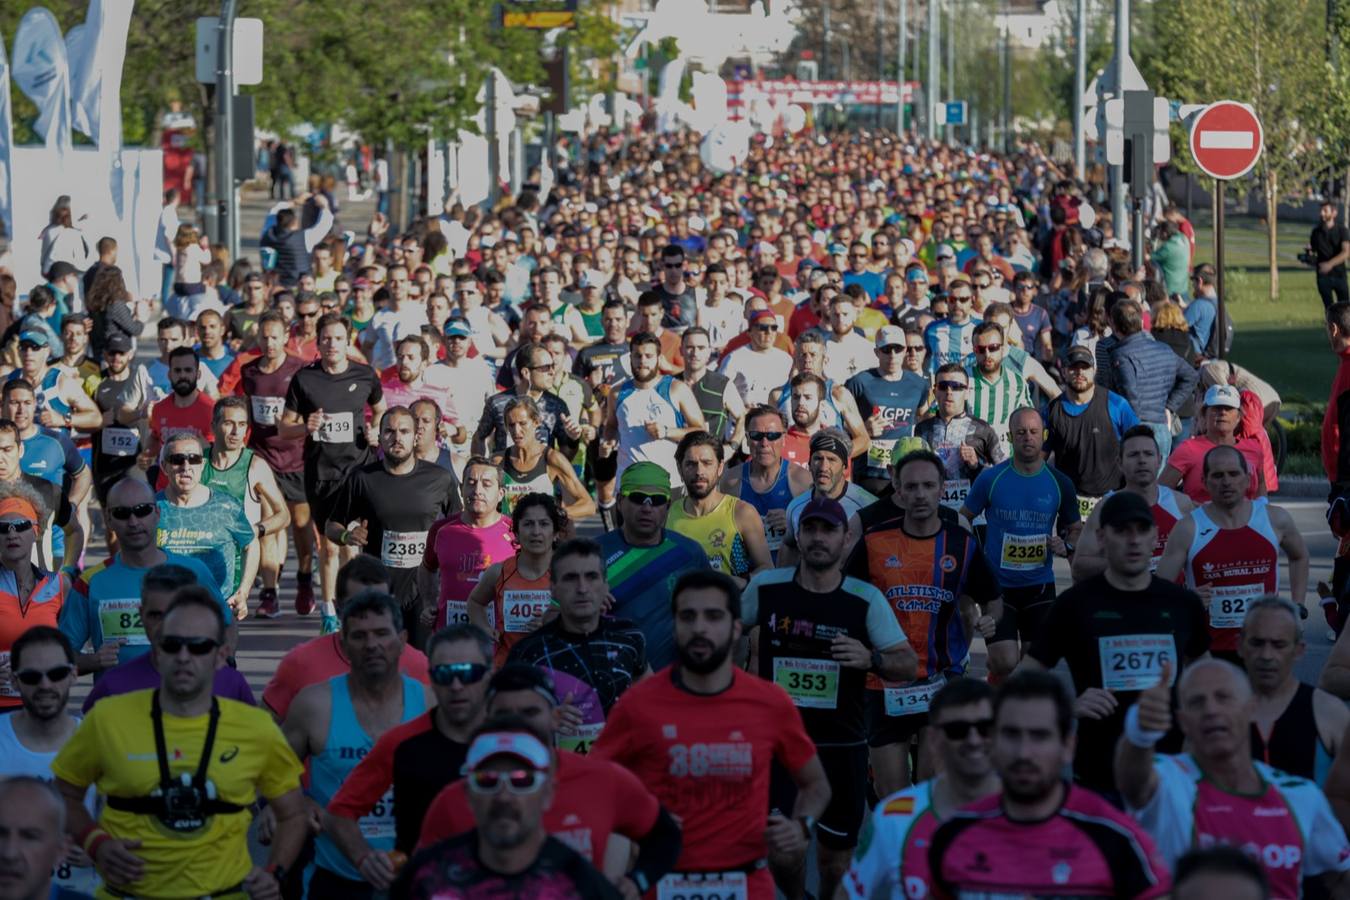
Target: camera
{"type": "Point", "coordinates": [1308, 258]}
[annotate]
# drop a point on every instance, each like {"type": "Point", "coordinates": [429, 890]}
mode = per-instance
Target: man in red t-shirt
{"type": "Point", "coordinates": [322, 658]}
{"type": "Point", "coordinates": [186, 408]}
{"type": "Point", "coordinates": [593, 799]}
{"type": "Point", "coordinates": [702, 734]}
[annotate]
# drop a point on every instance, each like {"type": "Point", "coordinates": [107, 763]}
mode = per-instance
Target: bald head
{"type": "Point", "coordinates": [1212, 674]}
{"type": "Point", "coordinates": [1025, 416]}
{"type": "Point", "coordinates": [129, 492]}
{"type": "Point", "coordinates": [1224, 455]}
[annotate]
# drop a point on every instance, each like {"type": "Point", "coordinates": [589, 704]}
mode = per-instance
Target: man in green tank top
{"type": "Point", "coordinates": [233, 469]}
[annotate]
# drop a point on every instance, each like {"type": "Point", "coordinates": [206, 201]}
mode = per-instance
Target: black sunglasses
{"type": "Point", "coordinates": [196, 646]}
{"type": "Point", "coordinates": [140, 511]}
{"type": "Point", "coordinates": [764, 435]}
{"type": "Point", "coordinates": [194, 459]}
{"type": "Point", "coordinates": [16, 527]}
{"type": "Point", "coordinates": [33, 677]}
{"type": "Point", "coordinates": [467, 673]}
{"type": "Point", "coordinates": [957, 731]}
{"type": "Point", "coordinates": [29, 345]}
{"type": "Point", "coordinates": [648, 499]}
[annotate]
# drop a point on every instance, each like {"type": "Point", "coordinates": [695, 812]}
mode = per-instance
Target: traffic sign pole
{"type": "Point", "coordinates": [1226, 141]}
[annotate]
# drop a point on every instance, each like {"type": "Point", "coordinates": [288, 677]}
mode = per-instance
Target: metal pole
{"type": "Point", "coordinates": [934, 86]}
{"type": "Point", "coordinates": [1007, 87]}
{"type": "Point", "coordinates": [903, 16]}
{"type": "Point", "coordinates": [1079, 86]}
{"type": "Point", "coordinates": [825, 50]}
{"type": "Point", "coordinates": [1219, 321]}
{"type": "Point", "coordinates": [1118, 219]}
{"type": "Point", "coordinates": [227, 202]}
{"type": "Point", "coordinates": [951, 65]}
{"type": "Point", "coordinates": [490, 121]}
{"type": "Point", "coordinates": [1137, 244]}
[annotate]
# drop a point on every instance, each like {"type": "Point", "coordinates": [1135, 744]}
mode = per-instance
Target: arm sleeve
{"type": "Point", "coordinates": [883, 629]}
{"type": "Point", "coordinates": [612, 743]}
{"type": "Point", "coordinates": [430, 561]}
{"type": "Point", "coordinates": [978, 498]}
{"type": "Point", "coordinates": [447, 816]}
{"type": "Point", "coordinates": [319, 230]}
{"type": "Point", "coordinates": [1125, 417]}
{"type": "Point", "coordinates": [296, 401]}
{"type": "Point", "coordinates": [74, 618]}
{"type": "Point", "coordinates": [366, 784]}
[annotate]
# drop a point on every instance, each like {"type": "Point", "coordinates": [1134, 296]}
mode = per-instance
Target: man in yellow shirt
{"type": "Point", "coordinates": [181, 770]}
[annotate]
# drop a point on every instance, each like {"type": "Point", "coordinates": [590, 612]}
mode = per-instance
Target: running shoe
{"type": "Point", "coordinates": [304, 597]}
{"type": "Point", "coordinates": [268, 608]}
{"type": "Point", "coordinates": [329, 625]}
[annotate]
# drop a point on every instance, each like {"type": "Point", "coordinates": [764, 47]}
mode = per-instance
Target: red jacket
{"type": "Point", "coordinates": [1335, 454]}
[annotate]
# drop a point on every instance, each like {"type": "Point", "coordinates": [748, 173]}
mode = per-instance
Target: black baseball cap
{"type": "Point", "coordinates": [1124, 507]}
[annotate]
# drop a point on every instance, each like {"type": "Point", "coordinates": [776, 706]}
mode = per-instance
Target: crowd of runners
{"type": "Point", "coordinates": [647, 526]}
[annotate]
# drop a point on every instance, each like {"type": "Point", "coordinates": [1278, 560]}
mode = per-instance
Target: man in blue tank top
{"type": "Point", "coordinates": [335, 723]}
{"type": "Point", "coordinates": [767, 481]}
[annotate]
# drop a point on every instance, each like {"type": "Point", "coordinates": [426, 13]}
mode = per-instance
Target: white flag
{"type": "Point", "coordinates": [6, 145]}
{"type": "Point", "coordinates": [97, 51]}
{"type": "Point", "coordinates": [42, 71]}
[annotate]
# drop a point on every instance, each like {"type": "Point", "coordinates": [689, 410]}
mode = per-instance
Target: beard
{"type": "Point", "coordinates": [710, 663]}
{"type": "Point", "coordinates": [184, 387]}
{"type": "Point", "coordinates": [45, 705]}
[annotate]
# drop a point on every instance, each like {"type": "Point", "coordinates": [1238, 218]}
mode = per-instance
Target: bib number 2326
{"type": "Point", "coordinates": [1024, 552]}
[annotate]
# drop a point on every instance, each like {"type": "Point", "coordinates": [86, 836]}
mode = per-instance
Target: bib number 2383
{"type": "Point", "coordinates": [1024, 552]}
{"type": "Point", "coordinates": [403, 549]}
{"type": "Point", "coordinates": [811, 683]}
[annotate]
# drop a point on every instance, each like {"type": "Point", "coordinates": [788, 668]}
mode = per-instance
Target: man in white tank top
{"type": "Point", "coordinates": [1229, 550]}
{"type": "Point", "coordinates": [1139, 466]}
{"type": "Point", "coordinates": [650, 412]}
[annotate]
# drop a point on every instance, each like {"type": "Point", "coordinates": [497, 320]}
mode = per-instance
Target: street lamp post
{"type": "Point", "coordinates": [227, 203]}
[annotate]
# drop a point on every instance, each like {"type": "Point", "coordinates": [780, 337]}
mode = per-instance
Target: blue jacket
{"type": "Point", "coordinates": [1151, 377]}
{"type": "Point", "coordinates": [1201, 313]}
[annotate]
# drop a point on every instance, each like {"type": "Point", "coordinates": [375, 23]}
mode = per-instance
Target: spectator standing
{"type": "Point", "coordinates": [1330, 247]}
{"type": "Point", "coordinates": [1155, 381]}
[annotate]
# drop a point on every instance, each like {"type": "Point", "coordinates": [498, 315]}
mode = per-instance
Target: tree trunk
{"type": "Point", "coordinates": [1272, 233]}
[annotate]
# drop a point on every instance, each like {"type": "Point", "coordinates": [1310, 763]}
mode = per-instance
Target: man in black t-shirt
{"type": "Point", "coordinates": [679, 303]}
{"type": "Point", "coordinates": [1330, 246]}
{"type": "Point", "coordinates": [387, 507]}
{"type": "Point", "coordinates": [1116, 630]}
{"type": "Point", "coordinates": [605, 363]}
{"type": "Point", "coordinates": [326, 405]}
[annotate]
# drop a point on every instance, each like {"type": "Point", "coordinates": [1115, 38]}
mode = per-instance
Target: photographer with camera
{"type": "Point", "coordinates": [1328, 249]}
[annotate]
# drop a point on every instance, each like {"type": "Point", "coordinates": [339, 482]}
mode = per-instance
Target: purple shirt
{"type": "Point", "coordinates": [140, 673]}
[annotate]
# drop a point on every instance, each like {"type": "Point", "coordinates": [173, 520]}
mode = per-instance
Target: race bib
{"type": "Point", "coordinates": [811, 683]}
{"type": "Point", "coordinates": [1086, 505]}
{"type": "Point", "coordinates": [79, 879]}
{"type": "Point", "coordinates": [913, 699]}
{"type": "Point", "coordinates": [121, 619]}
{"type": "Point", "coordinates": [703, 886]}
{"type": "Point", "coordinates": [267, 410]}
{"type": "Point", "coordinates": [456, 612]}
{"type": "Point", "coordinates": [403, 549]}
{"type": "Point", "coordinates": [336, 428]}
{"type": "Point", "coordinates": [879, 453]}
{"type": "Point", "coordinates": [955, 492]}
{"type": "Point", "coordinates": [520, 608]}
{"type": "Point", "coordinates": [8, 687]}
{"type": "Point", "coordinates": [1133, 662]}
{"type": "Point", "coordinates": [1024, 552]}
{"type": "Point", "coordinates": [116, 441]}
{"type": "Point", "coordinates": [378, 824]}
{"type": "Point", "coordinates": [581, 741]}
{"type": "Point", "coordinates": [1228, 606]}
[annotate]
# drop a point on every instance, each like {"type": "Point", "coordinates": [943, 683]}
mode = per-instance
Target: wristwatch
{"type": "Point", "coordinates": [262, 531]}
{"type": "Point", "coordinates": [876, 660]}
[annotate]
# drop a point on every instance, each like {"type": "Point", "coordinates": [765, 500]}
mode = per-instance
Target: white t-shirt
{"type": "Point", "coordinates": [389, 326]}
{"type": "Point", "coordinates": [849, 356]}
{"type": "Point", "coordinates": [754, 373]}
{"type": "Point", "coordinates": [471, 382]}
{"type": "Point", "coordinates": [723, 321]}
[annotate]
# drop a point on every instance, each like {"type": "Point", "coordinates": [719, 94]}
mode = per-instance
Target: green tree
{"type": "Point", "coordinates": [1266, 53]}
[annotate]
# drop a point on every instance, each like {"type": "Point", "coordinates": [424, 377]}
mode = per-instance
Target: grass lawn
{"type": "Point", "coordinates": [1283, 341]}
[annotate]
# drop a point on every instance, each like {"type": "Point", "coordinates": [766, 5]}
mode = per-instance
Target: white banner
{"type": "Point", "coordinates": [42, 71]}
{"type": "Point", "coordinates": [6, 145]}
{"type": "Point", "coordinates": [97, 51]}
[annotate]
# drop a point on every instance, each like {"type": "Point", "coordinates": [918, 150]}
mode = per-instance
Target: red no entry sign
{"type": "Point", "coordinates": [1226, 139]}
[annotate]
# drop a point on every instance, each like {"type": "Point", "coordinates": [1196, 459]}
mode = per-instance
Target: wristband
{"type": "Point", "coordinates": [87, 832]}
{"type": "Point", "coordinates": [98, 841]}
{"type": "Point", "coordinates": [1136, 734]}
{"type": "Point", "coordinates": [342, 538]}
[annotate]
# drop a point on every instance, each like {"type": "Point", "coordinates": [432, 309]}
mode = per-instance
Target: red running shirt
{"type": "Point", "coordinates": [460, 553]}
{"type": "Point", "coordinates": [1086, 849]}
{"type": "Point", "coordinates": [707, 760]}
{"type": "Point", "coordinates": [593, 799]}
{"type": "Point", "coordinates": [1239, 564]}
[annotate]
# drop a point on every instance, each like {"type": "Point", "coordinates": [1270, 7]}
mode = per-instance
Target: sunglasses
{"type": "Point", "coordinates": [915, 348]}
{"type": "Point", "coordinates": [29, 345]}
{"type": "Point", "coordinates": [951, 386]}
{"type": "Point", "coordinates": [765, 435]}
{"type": "Point", "coordinates": [647, 499]}
{"type": "Point", "coordinates": [518, 781]}
{"type": "Point", "coordinates": [964, 298]}
{"type": "Point", "coordinates": [957, 731]}
{"type": "Point", "coordinates": [673, 266]}
{"type": "Point", "coordinates": [766, 327]}
{"type": "Point", "coordinates": [893, 349]}
{"type": "Point", "coordinates": [18, 527]}
{"type": "Point", "coordinates": [988, 348]}
{"type": "Point", "coordinates": [191, 459]}
{"type": "Point", "coordinates": [33, 677]}
{"type": "Point", "coordinates": [308, 315]}
{"type": "Point", "coordinates": [467, 673]}
{"type": "Point", "coordinates": [140, 511]}
{"type": "Point", "coordinates": [196, 646]}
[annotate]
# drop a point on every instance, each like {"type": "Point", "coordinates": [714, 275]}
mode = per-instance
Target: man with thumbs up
{"type": "Point", "coordinates": [1216, 793]}
{"type": "Point", "coordinates": [1117, 630]}
{"type": "Point", "coordinates": [387, 507]}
